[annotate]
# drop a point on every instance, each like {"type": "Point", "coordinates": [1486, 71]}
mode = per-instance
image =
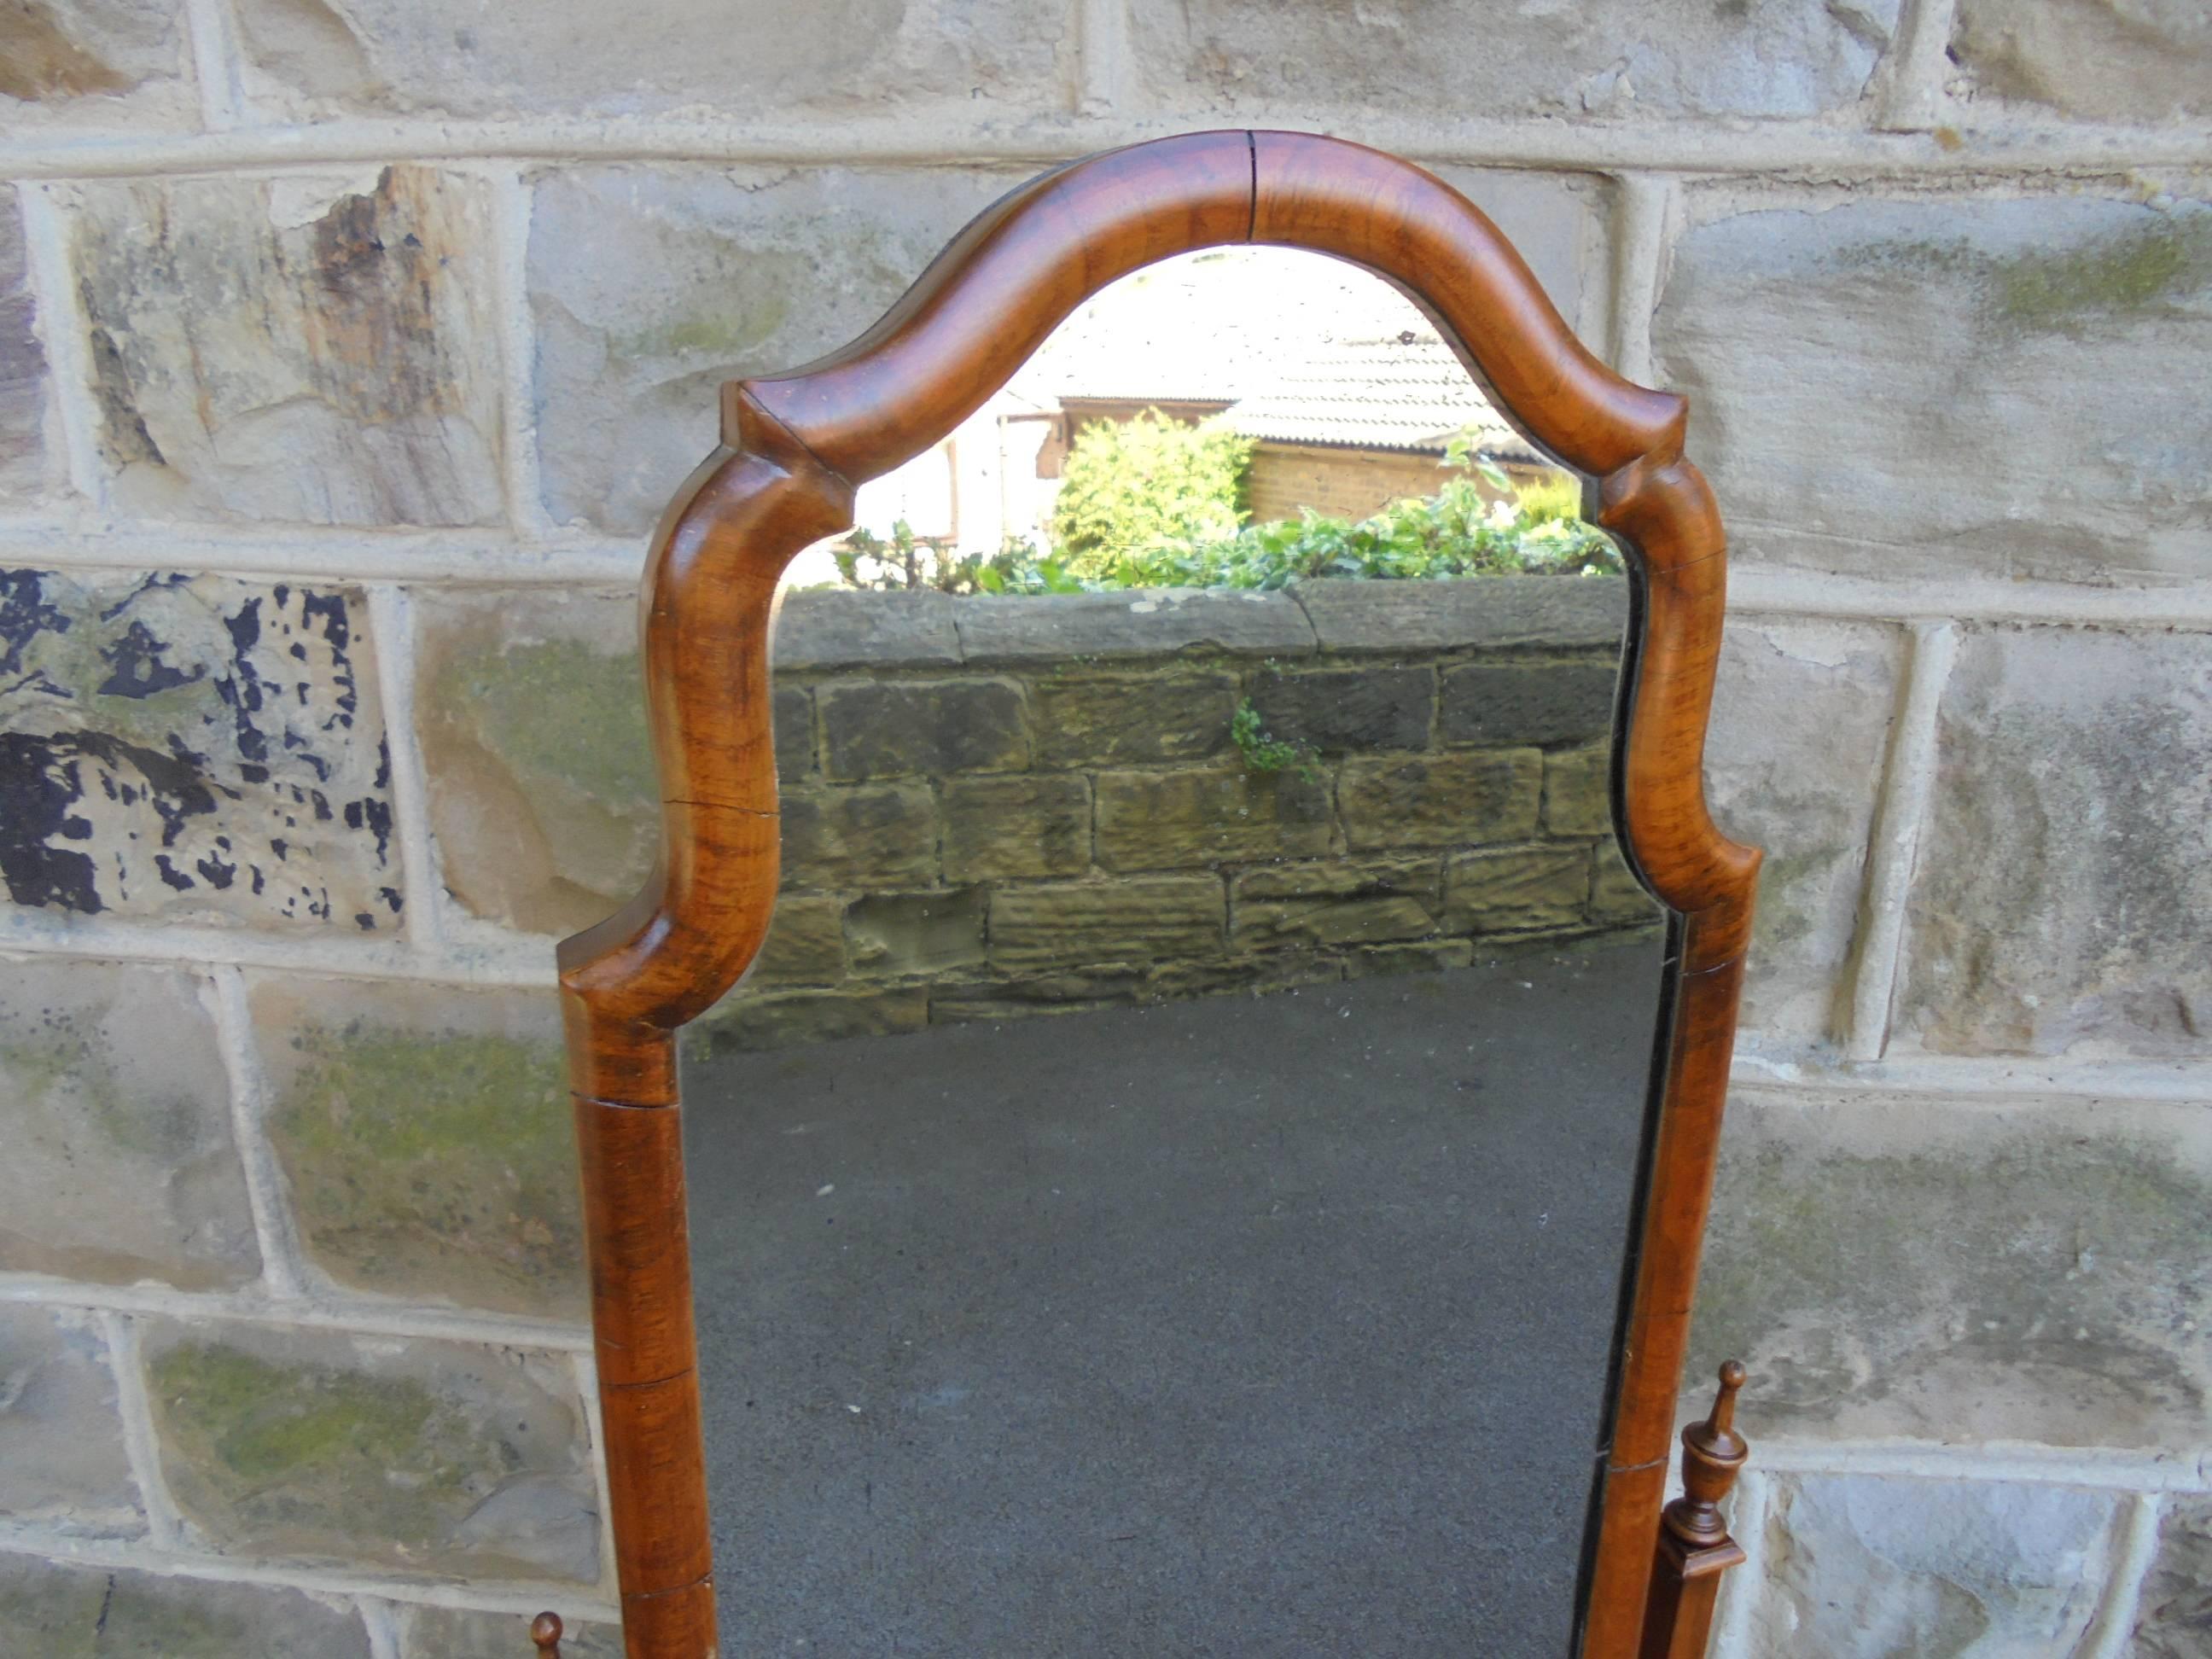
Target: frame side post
{"type": "Point", "coordinates": [1694, 1546]}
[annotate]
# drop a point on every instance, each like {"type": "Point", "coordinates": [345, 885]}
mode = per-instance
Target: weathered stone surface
{"type": "Point", "coordinates": [1335, 902]}
{"type": "Point", "coordinates": [1616, 896]}
{"type": "Point", "coordinates": [115, 1112]}
{"type": "Point", "coordinates": [50, 1611]}
{"type": "Point", "coordinates": [839, 628]}
{"type": "Point", "coordinates": [2173, 1619]}
{"type": "Point", "coordinates": [1001, 828]}
{"type": "Point", "coordinates": [1498, 705]}
{"type": "Point", "coordinates": [650, 286]}
{"type": "Point", "coordinates": [1338, 709]}
{"type": "Point", "coordinates": [1890, 1266]}
{"type": "Point", "coordinates": [806, 942]}
{"type": "Point", "coordinates": [888, 729]}
{"type": "Point", "coordinates": [23, 466]}
{"type": "Point", "coordinates": [1788, 692]}
{"type": "Point", "coordinates": [2130, 61]}
{"type": "Point", "coordinates": [95, 63]}
{"type": "Point", "coordinates": [1492, 612]}
{"type": "Point", "coordinates": [1435, 800]}
{"type": "Point", "coordinates": [1142, 918]}
{"type": "Point", "coordinates": [1130, 719]}
{"type": "Point", "coordinates": [1579, 792]}
{"type": "Point", "coordinates": [1173, 820]}
{"type": "Point", "coordinates": [915, 933]}
{"type": "Point", "coordinates": [423, 1456]}
{"type": "Point", "coordinates": [2064, 878]}
{"type": "Point", "coordinates": [878, 835]}
{"type": "Point", "coordinates": [1866, 1567]}
{"type": "Point", "coordinates": [1513, 887]}
{"type": "Point", "coordinates": [452, 1633]}
{"type": "Point", "coordinates": [530, 704]}
{"type": "Point", "coordinates": [1429, 956]}
{"type": "Point", "coordinates": [193, 750]}
{"type": "Point", "coordinates": [1074, 628]}
{"type": "Point", "coordinates": [61, 1442]}
{"type": "Point", "coordinates": [781, 1019]}
{"type": "Point", "coordinates": [309, 58]}
{"type": "Point", "coordinates": [425, 1135]}
{"type": "Point", "coordinates": [1613, 60]}
{"type": "Point", "coordinates": [317, 347]}
{"type": "Point", "coordinates": [1873, 385]}
{"type": "Point", "coordinates": [792, 709]}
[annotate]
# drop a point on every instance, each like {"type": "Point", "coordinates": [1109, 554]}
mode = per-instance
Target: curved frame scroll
{"type": "Point", "coordinates": [794, 447]}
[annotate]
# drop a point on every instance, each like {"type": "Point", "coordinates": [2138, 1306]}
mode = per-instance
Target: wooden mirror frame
{"type": "Point", "coordinates": [793, 448]}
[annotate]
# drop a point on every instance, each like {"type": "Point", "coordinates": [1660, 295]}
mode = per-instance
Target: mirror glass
{"type": "Point", "coordinates": [1166, 1184]}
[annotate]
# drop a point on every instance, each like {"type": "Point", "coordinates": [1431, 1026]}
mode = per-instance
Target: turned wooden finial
{"type": "Point", "coordinates": [1712, 1453]}
{"type": "Point", "coordinates": [545, 1632]}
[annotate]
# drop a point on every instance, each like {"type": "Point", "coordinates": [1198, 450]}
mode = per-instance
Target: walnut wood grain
{"type": "Point", "coordinates": [1694, 1546]}
{"type": "Point", "coordinates": [793, 448]}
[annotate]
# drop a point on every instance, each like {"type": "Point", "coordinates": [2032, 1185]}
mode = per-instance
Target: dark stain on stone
{"type": "Point", "coordinates": [137, 669]}
{"type": "Point", "coordinates": [378, 278]}
{"type": "Point", "coordinates": [39, 61]}
{"type": "Point", "coordinates": [127, 439]}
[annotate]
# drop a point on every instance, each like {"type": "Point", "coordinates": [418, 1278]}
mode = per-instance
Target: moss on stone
{"type": "Point", "coordinates": [2128, 275]}
{"type": "Point", "coordinates": [555, 709]}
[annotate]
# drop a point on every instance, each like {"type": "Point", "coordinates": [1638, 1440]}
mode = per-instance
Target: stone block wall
{"type": "Point", "coordinates": [345, 358]}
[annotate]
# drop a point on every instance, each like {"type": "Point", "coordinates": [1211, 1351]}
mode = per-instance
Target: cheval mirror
{"type": "Point", "coordinates": [1213, 1156]}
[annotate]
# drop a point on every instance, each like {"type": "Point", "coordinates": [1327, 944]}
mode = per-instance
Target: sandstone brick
{"type": "Point", "coordinates": [888, 729]}
{"type": "Point", "coordinates": [1499, 705]}
{"type": "Point", "coordinates": [1501, 889]}
{"type": "Point", "coordinates": [1610, 60]}
{"type": "Point", "coordinates": [199, 749]}
{"type": "Point", "coordinates": [1491, 612]}
{"type": "Point", "coordinates": [1872, 384]}
{"type": "Point", "coordinates": [1579, 792]}
{"type": "Point", "coordinates": [425, 1136]}
{"type": "Point", "coordinates": [1333, 901]}
{"type": "Point", "coordinates": [1862, 1567]}
{"type": "Point", "coordinates": [930, 932]}
{"type": "Point", "coordinates": [97, 64]}
{"type": "Point", "coordinates": [1616, 896]}
{"type": "Point", "coordinates": [650, 286]}
{"type": "Point", "coordinates": [1892, 1266]}
{"type": "Point", "coordinates": [454, 1633]}
{"type": "Point", "coordinates": [997, 829]}
{"type": "Point", "coordinates": [317, 348]}
{"type": "Point", "coordinates": [2065, 872]}
{"type": "Point", "coordinates": [1129, 720]}
{"type": "Point", "coordinates": [860, 836]}
{"type": "Point", "coordinates": [1339, 710]}
{"type": "Point", "coordinates": [429, 1457]}
{"type": "Point", "coordinates": [1427, 957]}
{"type": "Point", "coordinates": [2174, 1614]}
{"type": "Point", "coordinates": [54, 1611]}
{"type": "Point", "coordinates": [25, 470]}
{"type": "Point", "coordinates": [1173, 820]}
{"type": "Point", "coordinates": [120, 1166]}
{"type": "Point", "coordinates": [842, 628]}
{"type": "Point", "coordinates": [791, 709]}
{"type": "Point", "coordinates": [783, 1019]}
{"type": "Point", "coordinates": [61, 1442]}
{"type": "Point", "coordinates": [1142, 918]}
{"type": "Point", "coordinates": [1148, 623]}
{"type": "Point", "coordinates": [1435, 800]}
{"type": "Point", "coordinates": [806, 942]}
{"type": "Point", "coordinates": [2107, 60]}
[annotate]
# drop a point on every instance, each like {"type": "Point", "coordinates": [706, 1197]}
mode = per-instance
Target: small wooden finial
{"type": "Point", "coordinates": [1713, 1452]}
{"type": "Point", "coordinates": [545, 1632]}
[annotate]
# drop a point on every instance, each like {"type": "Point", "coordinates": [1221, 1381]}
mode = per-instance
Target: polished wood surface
{"type": "Point", "coordinates": [545, 1632]}
{"type": "Point", "coordinates": [793, 448]}
{"type": "Point", "coordinates": [1694, 1546]}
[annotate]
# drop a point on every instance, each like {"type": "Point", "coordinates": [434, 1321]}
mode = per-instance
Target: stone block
{"type": "Point", "coordinates": [2066, 868]}
{"type": "Point", "coordinates": [422, 1456]}
{"type": "Point", "coordinates": [530, 705]}
{"type": "Point", "coordinates": [1873, 385]}
{"type": "Point", "coordinates": [1438, 800]}
{"type": "Point", "coordinates": [62, 1462]}
{"type": "Point", "coordinates": [2104, 60]}
{"type": "Point", "coordinates": [1078, 628]}
{"type": "Point", "coordinates": [25, 469]}
{"type": "Point", "coordinates": [1340, 710]}
{"type": "Point", "coordinates": [425, 1136]}
{"type": "Point", "coordinates": [1131, 720]}
{"type": "Point", "coordinates": [1174, 820]}
{"type": "Point", "coordinates": [456, 1634]}
{"type": "Point", "coordinates": [1139, 920]}
{"type": "Point", "coordinates": [1428, 956]}
{"type": "Point", "coordinates": [784, 1019]}
{"type": "Point", "coordinates": [51, 1610]}
{"type": "Point", "coordinates": [100, 64]}
{"type": "Point", "coordinates": [386, 58]}
{"type": "Point", "coordinates": [193, 750]}
{"type": "Point", "coordinates": [1611, 60]}
{"type": "Point", "coordinates": [1616, 896]}
{"type": "Point", "coordinates": [806, 942]}
{"type": "Point", "coordinates": [905, 933]}
{"type": "Point", "coordinates": [888, 728]}
{"type": "Point", "coordinates": [650, 286]}
{"type": "Point", "coordinates": [1001, 828]}
{"type": "Point", "coordinates": [869, 835]}
{"type": "Point", "coordinates": [1496, 705]}
{"type": "Point", "coordinates": [1332, 902]}
{"type": "Point", "coordinates": [1492, 613]}
{"type": "Point", "coordinates": [317, 348]}
{"type": "Point", "coordinates": [1900, 1268]}
{"type": "Point", "coordinates": [1501, 889]}
{"type": "Point", "coordinates": [791, 710]}
{"type": "Point", "coordinates": [2173, 1615]}
{"type": "Point", "coordinates": [1865, 1567]}
{"type": "Point", "coordinates": [1794, 762]}
{"type": "Point", "coordinates": [831, 628]}
{"type": "Point", "coordinates": [115, 1111]}
{"type": "Point", "coordinates": [1579, 792]}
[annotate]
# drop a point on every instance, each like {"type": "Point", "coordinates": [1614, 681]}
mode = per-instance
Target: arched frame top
{"type": "Point", "coordinates": [793, 448]}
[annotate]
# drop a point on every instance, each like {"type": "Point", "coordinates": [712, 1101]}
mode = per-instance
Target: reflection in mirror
{"type": "Point", "coordinates": [1165, 1186]}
